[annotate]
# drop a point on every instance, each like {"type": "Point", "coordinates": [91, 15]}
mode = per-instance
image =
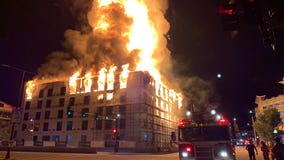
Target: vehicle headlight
{"type": "Point", "coordinates": [223, 153]}
{"type": "Point", "coordinates": [184, 154]}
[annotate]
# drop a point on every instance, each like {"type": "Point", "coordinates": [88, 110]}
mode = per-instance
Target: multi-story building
{"type": "Point", "coordinates": [277, 102]}
{"type": "Point", "coordinates": [5, 120]}
{"type": "Point", "coordinates": [82, 112]}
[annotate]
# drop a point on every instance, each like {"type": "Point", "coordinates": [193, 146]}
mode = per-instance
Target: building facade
{"type": "Point", "coordinates": [82, 112]}
{"type": "Point", "coordinates": [5, 120]}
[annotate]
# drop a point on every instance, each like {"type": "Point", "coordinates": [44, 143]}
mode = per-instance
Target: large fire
{"type": "Point", "coordinates": [142, 39]}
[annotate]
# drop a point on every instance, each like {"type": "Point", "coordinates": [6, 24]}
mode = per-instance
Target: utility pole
{"type": "Point", "coordinates": [13, 122]}
{"type": "Point", "coordinates": [253, 128]}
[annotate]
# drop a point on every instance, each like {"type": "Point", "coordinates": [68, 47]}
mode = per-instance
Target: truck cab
{"type": "Point", "coordinates": [205, 141]}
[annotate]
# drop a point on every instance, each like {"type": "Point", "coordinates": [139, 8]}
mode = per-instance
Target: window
{"type": "Point", "coordinates": [60, 114]}
{"type": "Point", "coordinates": [45, 138]}
{"type": "Point", "coordinates": [108, 124]}
{"type": "Point", "coordinates": [36, 126]}
{"type": "Point", "coordinates": [59, 126]}
{"type": "Point", "coordinates": [83, 138]}
{"type": "Point", "coordinates": [28, 105]}
{"type": "Point", "coordinates": [84, 112]}
{"type": "Point", "coordinates": [41, 92]}
{"type": "Point", "coordinates": [45, 126]}
{"type": "Point", "coordinates": [85, 125]}
{"type": "Point", "coordinates": [62, 91]}
{"type": "Point", "coordinates": [48, 103]}
{"type": "Point", "coordinates": [86, 100]}
{"type": "Point", "coordinates": [71, 101]}
{"type": "Point", "coordinates": [49, 92]}
{"type": "Point", "coordinates": [69, 125]}
{"type": "Point", "coordinates": [24, 127]}
{"type": "Point", "coordinates": [61, 102]}
{"type": "Point", "coordinates": [38, 115]}
{"type": "Point", "coordinates": [56, 138]}
{"type": "Point", "coordinates": [109, 110]}
{"type": "Point", "coordinates": [35, 138]}
{"type": "Point", "coordinates": [39, 104]}
{"type": "Point", "coordinates": [100, 111]}
{"type": "Point", "coordinates": [46, 114]}
{"type": "Point", "coordinates": [26, 116]}
{"type": "Point", "coordinates": [99, 124]}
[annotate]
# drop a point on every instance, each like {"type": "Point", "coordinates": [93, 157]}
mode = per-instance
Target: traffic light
{"type": "Point", "coordinates": [114, 133]}
{"type": "Point", "coordinates": [229, 17]}
{"type": "Point", "coordinates": [96, 116]}
{"type": "Point", "coordinates": [83, 115]}
{"type": "Point", "coordinates": [69, 112]}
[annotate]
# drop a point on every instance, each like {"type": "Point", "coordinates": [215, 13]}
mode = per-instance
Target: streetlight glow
{"type": "Point", "coordinates": [213, 111]}
{"type": "Point", "coordinates": [188, 113]}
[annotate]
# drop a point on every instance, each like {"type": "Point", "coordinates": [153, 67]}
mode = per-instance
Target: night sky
{"type": "Point", "coordinates": [31, 29]}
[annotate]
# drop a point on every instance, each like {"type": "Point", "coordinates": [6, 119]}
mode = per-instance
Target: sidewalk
{"type": "Point", "coordinates": [242, 153]}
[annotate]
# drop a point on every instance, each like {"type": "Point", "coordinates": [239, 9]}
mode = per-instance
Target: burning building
{"type": "Point", "coordinates": [109, 87]}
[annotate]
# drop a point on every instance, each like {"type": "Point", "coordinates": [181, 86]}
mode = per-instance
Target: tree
{"type": "Point", "coordinates": [266, 122]}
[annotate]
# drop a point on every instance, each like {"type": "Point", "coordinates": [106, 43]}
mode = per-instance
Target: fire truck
{"type": "Point", "coordinates": [205, 141]}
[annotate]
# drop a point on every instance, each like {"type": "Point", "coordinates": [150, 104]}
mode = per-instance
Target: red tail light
{"type": "Point", "coordinates": [186, 147]}
{"type": "Point", "coordinates": [186, 150]}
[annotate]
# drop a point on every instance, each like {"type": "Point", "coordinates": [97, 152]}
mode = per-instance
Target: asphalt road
{"type": "Point", "coordinates": [240, 151]}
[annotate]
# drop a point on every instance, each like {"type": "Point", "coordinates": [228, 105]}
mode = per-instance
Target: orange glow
{"type": "Point", "coordinates": [30, 85]}
{"type": "Point", "coordinates": [102, 79]}
{"type": "Point", "coordinates": [123, 76]}
{"type": "Point", "coordinates": [110, 78]}
{"type": "Point", "coordinates": [179, 101]}
{"type": "Point", "coordinates": [102, 24]}
{"type": "Point", "coordinates": [143, 36]}
{"type": "Point", "coordinates": [88, 82]}
{"type": "Point", "coordinates": [100, 96]}
{"type": "Point", "coordinates": [109, 96]}
{"type": "Point", "coordinates": [72, 83]}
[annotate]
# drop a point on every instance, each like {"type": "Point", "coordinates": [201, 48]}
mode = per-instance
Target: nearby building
{"type": "Point", "coordinates": [82, 112]}
{"type": "Point", "coordinates": [5, 120]}
{"type": "Point", "coordinates": [264, 103]}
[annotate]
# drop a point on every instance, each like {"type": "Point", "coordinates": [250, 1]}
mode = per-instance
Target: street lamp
{"type": "Point", "coordinates": [252, 124]}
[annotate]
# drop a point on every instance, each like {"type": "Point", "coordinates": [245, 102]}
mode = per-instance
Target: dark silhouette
{"type": "Point", "coordinates": [265, 150]}
{"type": "Point", "coordinates": [278, 149]}
{"type": "Point", "coordinates": [251, 148]}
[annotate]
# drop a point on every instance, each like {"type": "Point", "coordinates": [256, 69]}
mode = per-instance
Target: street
{"type": "Point", "coordinates": [241, 155]}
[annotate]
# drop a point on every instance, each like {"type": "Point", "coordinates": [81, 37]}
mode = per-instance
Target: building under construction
{"type": "Point", "coordinates": [84, 112]}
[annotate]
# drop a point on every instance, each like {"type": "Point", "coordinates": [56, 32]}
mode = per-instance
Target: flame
{"type": "Point", "coordinates": [123, 76]}
{"type": "Point", "coordinates": [100, 96]}
{"type": "Point", "coordinates": [30, 85]}
{"type": "Point", "coordinates": [110, 78]}
{"type": "Point", "coordinates": [109, 96]}
{"type": "Point", "coordinates": [143, 36]}
{"type": "Point", "coordinates": [72, 82]}
{"type": "Point", "coordinates": [88, 82]}
{"type": "Point", "coordinates": [102, 79]}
